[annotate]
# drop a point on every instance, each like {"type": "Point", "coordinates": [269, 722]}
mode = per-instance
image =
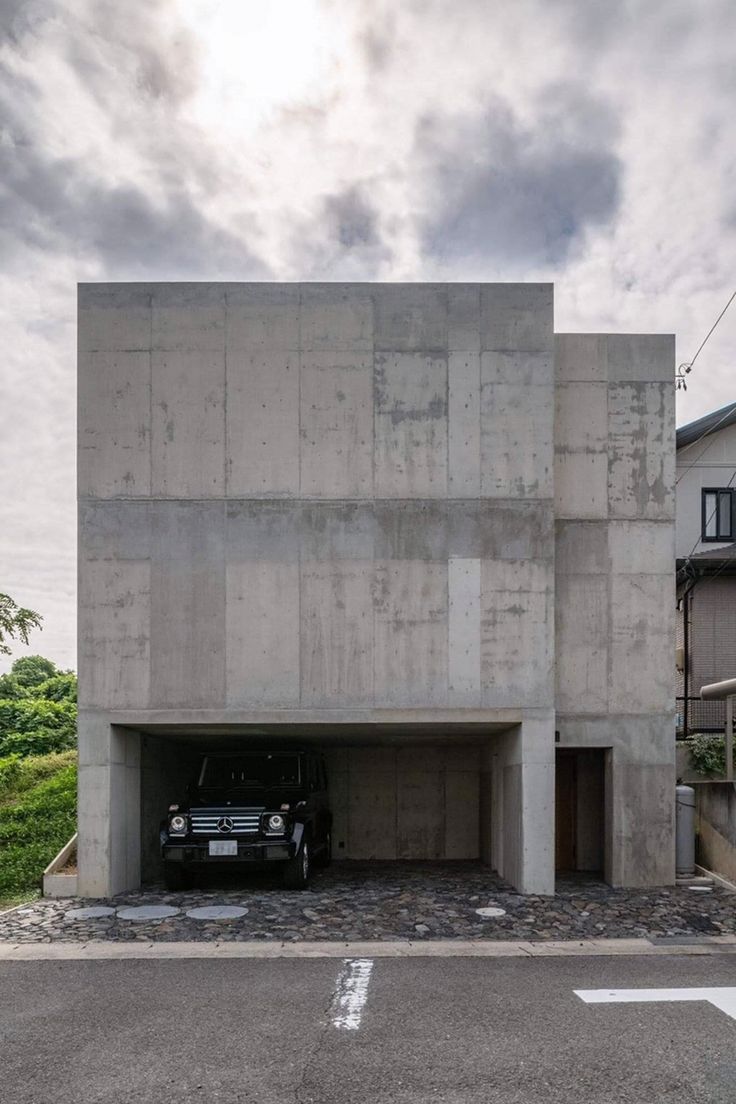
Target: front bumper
{"type": "Point", "coordinates": [253, 851]}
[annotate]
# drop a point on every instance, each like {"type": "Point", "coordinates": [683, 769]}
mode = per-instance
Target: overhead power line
{"type": "Point", "coordinates": [687, 366]}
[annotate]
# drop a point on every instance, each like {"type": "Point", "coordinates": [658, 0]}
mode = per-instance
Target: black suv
{"type": "Point", "coordinates": [246, 808]}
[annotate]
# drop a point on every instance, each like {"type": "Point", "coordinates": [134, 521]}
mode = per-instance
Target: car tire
{"type": "Point", "coordinates": [298, 869]}
{"type": "Point", "coordinates": [325, 856]}
{"type": "Point", "coordinates": [176, 877]}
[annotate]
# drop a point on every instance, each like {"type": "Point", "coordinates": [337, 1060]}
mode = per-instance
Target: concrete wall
{"type": "Point", "coordinates": [614, 505]}
{"type": "Point", "coordinates": [339, 501]}
{"type": "Point", "coordinates": [299, 497]}
{"type": "Point", "coordinates": [514, 830]}
{"type": "Point", "coordinates": [715, 824]}
{"type": "Point", "coordinates": [404, 802]}
{"type": "Point", "coordinates": [333, 495]}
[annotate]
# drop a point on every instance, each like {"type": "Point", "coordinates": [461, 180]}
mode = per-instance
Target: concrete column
{"type": "Point", "coordinates": [640, 822]}
{"type": "Point", "coordinates": [109, 808]}
{"type": "Point", "coordinates": [519, 767]}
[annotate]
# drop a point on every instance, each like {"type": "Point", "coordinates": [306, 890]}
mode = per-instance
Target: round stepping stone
{"type": "Point", "coordinates": [93, 912]}
{"type": "Point", "coordinates": [217, 912]}
{"type": "Point", "coordinates": [141, 913]}
{"type": "Point", "coordinates": [490, 912]}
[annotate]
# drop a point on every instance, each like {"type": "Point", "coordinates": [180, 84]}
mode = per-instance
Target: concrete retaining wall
{"type": "Point", "coordinates": [715, 824]}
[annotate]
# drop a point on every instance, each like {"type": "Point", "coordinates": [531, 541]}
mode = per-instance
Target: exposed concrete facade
{"type": "Point", "coordinates": [403, 520]}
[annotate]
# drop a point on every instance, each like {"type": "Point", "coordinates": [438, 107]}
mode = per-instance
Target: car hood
{"type": "Point", "coordinates": [258, 798]}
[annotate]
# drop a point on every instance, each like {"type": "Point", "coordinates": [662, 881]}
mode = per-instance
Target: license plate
{"type": "Point", "coordinates": [223, 847]}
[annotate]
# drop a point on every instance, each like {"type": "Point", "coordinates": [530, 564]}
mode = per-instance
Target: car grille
{"type": "Point", "coordinates": [244, 824]}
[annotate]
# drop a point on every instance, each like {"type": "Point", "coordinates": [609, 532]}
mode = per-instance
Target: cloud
{"type": "Point", "coordinates": [73, 206]}
{"type": "Point", "coordinates": [52, 204]}
{"type": "Point", "coordinates": [518, 193]}
{"type": "Point", "coordinates": [19, 17]}
{"type": "Point", "coordinates": [587, 143]}
{"type": "Point", "coordinates": [342, 239]}
{"type": "Point", "coordinates": [351, 219]}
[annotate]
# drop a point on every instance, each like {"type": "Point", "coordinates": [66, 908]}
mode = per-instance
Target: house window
{"type": "Point", "coordinates": [718, 509]}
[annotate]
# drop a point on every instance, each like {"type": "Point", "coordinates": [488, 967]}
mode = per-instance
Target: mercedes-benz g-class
{"type": "Point", "coordinates": [250, 808]}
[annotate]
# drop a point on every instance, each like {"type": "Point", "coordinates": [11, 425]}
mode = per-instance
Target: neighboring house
{"type": "Point", "coordinates": [406, 524]}
{"type": "Point", "coordinates": [706, 566]}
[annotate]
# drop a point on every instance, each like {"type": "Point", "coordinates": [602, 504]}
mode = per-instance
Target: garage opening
{"type": "Point", "coordinates": [396, 797]}
{"type": "Point", "coordinates": [579, 811]}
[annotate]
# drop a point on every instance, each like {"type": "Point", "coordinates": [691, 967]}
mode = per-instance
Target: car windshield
{"type": "Point", "coordinates": [248, 771]}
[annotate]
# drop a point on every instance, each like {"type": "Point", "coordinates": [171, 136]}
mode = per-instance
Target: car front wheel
{"type": "Point", "coordinates": [298, 869]}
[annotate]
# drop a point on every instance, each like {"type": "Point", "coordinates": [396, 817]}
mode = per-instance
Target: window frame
{"type": "Point", "coordinates": [719, 538]}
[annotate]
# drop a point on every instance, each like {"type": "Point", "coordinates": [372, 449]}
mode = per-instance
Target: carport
{"type": "Point", "coordinates": [413, 790]}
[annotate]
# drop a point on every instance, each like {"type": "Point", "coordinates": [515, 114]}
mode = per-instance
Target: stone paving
{"type": "Point", "coordinates": [378, 901]}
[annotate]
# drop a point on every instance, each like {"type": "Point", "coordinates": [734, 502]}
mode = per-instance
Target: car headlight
{"type": "Point", "coordinates": [275, 823]}
{"type": "Point", "coordinates": [178, 825]}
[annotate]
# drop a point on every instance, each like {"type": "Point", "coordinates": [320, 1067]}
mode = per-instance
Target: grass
{"type": "Point", "coordinates": [38, 807]}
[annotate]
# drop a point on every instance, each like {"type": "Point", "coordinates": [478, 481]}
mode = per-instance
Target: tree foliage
{"type": "Point", "coordinates": [32, 670]}
{"type": "Point", "coordinates": [15, 621]}
{"type": "Point", "coordinates": [38, 708]}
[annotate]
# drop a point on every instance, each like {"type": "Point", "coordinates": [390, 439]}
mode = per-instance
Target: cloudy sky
{"type": "Point", "coordinates": [589, 142]}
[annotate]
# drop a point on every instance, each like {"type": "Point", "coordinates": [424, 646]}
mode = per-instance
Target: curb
{"type": "Point", "coordinates": [100, 950]}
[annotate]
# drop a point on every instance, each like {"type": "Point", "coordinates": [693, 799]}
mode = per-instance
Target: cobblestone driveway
{"type": "Point", "coordinates": [387, 901]}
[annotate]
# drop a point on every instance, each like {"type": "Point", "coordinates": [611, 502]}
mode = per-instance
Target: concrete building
{"type": "Point", "coordinates": [408, 523]}
{"type": "Point", "coordinates": [706, 566]}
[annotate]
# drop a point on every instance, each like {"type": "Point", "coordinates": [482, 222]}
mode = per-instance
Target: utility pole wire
{"type": "Point", "coordinates": [687, 366]}
{"type": "Point", "coordinates": [710, 331]}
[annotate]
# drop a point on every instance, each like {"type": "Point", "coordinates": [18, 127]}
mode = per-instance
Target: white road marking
{"type": "Point", "coordinates": [351, 993]}
{"type": "Point", "coordinates": [722, 997]}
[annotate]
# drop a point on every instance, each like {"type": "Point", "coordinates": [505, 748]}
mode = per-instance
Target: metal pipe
{"type": "Point", "coordinates": [686, 607]}
{"type": "Point", "coordinates": [715, 691]}
{"type": "Point", "coordinates": [686, 680]}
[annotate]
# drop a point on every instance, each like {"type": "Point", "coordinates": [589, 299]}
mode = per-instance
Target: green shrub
{"type": "Point", "coordinates": [35, 726]}
{"type": "Point", "coordinates": [35, 827]}
{"type": "Point", "coordinates": [18, 774]}
{"type": "Point", "coordinates": [707, 753]}
{"type": "Point", "coordinates": [43, 742]}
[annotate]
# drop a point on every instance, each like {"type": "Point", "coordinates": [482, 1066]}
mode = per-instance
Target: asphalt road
{"type": "Point", "coordinates": [451, 1030]}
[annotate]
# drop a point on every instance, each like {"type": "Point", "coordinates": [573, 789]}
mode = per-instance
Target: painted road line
{"type": "Point", "coordinates": [351, 993]}
{"type": "Point", "coordinates": [723, 997]}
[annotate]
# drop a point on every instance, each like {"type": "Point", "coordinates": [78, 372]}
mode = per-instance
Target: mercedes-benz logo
{"type": "Point", "coordinates": [224, 824]}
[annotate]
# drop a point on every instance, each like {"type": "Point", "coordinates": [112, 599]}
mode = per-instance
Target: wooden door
{"type": "Point", "coordinates": [565, 806]}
